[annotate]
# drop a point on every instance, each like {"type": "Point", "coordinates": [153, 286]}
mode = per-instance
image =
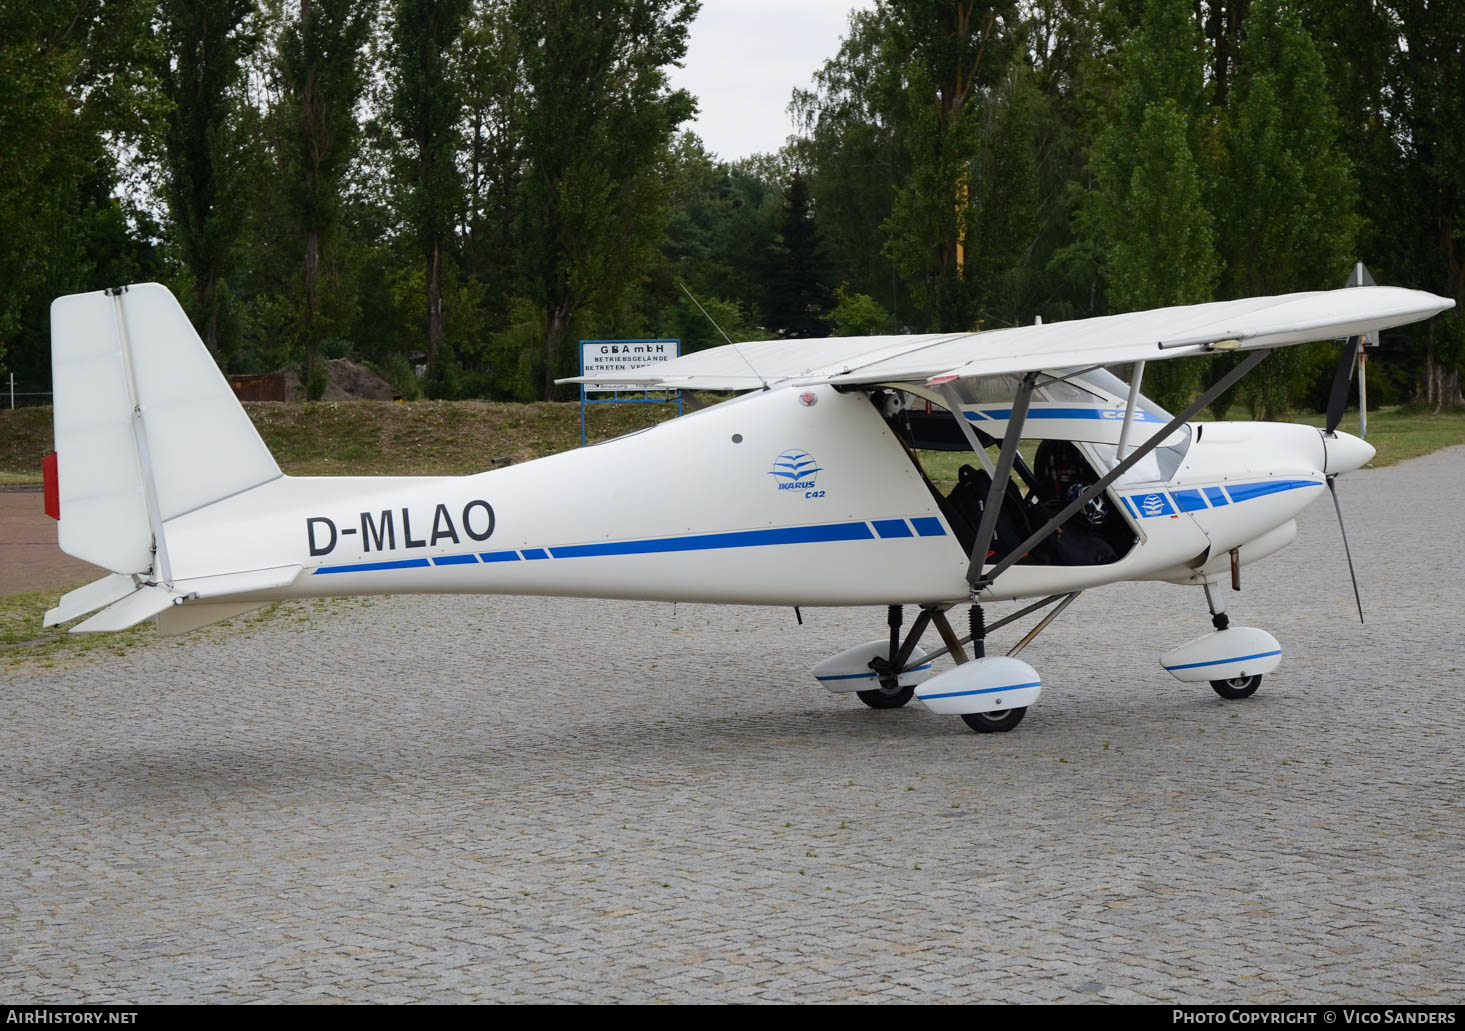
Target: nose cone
{"type": "Point", "coordinates": [1343, 452]}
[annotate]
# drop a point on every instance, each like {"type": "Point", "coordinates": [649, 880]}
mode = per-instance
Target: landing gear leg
{"type": "Point", "coordinates": [999, 719]}
{"type": "Point", "coordinates": [1216, 602]}
{"type": "Point", "coordinates": [1240, 658]}
{"type": "Point", "coordinates": [890, 695]}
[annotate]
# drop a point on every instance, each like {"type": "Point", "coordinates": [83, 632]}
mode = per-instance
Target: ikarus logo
{"type": "Point", "coordinates": [796, 470]}
{"type": "Point", "coordinates": [1152, 504]}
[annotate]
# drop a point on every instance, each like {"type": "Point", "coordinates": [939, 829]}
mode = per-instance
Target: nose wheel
{"type": "Point", "coordinates": [1237, 687]}
{"type": "Point", "coordinates": [996, 721]}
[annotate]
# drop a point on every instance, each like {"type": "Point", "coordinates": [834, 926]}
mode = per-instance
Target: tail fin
{"type": "Point", "coordinates": [146, 427]}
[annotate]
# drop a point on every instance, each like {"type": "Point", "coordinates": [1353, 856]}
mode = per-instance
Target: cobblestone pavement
{"type": "Point", "coordinates": [436, 799]}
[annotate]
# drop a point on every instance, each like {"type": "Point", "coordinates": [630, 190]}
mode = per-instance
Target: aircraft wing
{"type": "Point", "coordinates": [1177, 332]}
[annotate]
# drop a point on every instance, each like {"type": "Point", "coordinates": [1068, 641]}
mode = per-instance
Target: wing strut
{"type": "Point", "coordinates": [953, 405]}
{"type": "Point", "coordinates": [1134, 381]}
{"type": "Point", "coordinates": [988, 527]}
{"type": "Point", "coordinates": [980, 580]}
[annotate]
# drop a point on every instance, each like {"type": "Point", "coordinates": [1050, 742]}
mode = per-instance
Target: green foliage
{"type": "Point", "coordinates": [444, 376]}
{"type": "Point", "coordinates": [1148, 216]}
{"type": "Point", "coordinates": [855, 122]}
{"type": "Point", "coordinates": [316, 382]}
{"type": "Point", "coordinates": [1160, 245]}
{"type": "Point", "coordinates": [73, 83]}
{"type": "Point", "coordinates": [598, 119]}
{"type": "Point", "coordinates": [1287, 210]}
{"type": "Point", "coordinates": [399, 373]}
{"type": "Point", "coordinates": [1288, 216]}
{"type": "Point", "coordinates": [514, 179]}
{"type": "Point", "coordinates": [696, 332]}
{"type": "Point", "coordinates": [959, 52]}
{"type": "Point", "coordinates": [423, 111]}
{"type": "Point", "coordinates": [858, 315]}
{"type": "Point", "coordinates": [320, 74]}
{"type": "Point", "coordinates": [796, 268]}
{"type": "Point", "coordinates": [1149, 222]}
{"type": "Point", "coordinates": [203, 45]}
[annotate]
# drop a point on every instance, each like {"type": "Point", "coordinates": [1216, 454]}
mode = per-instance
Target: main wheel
{"type": "Point", "coordinates": [887, 698]}
{"type": "Point", "coordinates": [994, 721]}
{"type": "Point", "coordinates": [1237, 687]}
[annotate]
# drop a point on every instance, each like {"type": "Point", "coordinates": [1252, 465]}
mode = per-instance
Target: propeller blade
{"type": "Point", "coordinates": [1333, 489]}
{"type": "Point", "coordinates": [1342, 377]}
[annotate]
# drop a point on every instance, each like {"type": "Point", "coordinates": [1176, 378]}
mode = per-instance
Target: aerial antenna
{"type": "Point", "coordinates": [729, 339]}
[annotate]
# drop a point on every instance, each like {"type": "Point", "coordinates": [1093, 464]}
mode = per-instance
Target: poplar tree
{"type": "Point", "coordinates": [424, 110]}
{"type": "Point", "coordinates": [203, 45]}
{"type": "Point", "coordinates": [959, 50]}
{"type": "Point", "coordinates": [321, 70]}
{"type": "Point", "coordinates": [599, 119]}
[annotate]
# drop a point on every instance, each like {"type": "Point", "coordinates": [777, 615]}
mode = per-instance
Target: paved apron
{"type": "Point", "coordinates": [447, 799]}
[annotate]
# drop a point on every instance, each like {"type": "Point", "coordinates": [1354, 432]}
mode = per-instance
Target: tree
{"type": "Point", "coordinates": [1287, 209]}
{"type": "Point", "coordinates": [425, 108]}
{"type": "Point", "coordinates": [852, 148]}
{"type": "Point", "coordinates": [794, 273]}
{"type": "Point", "coordinates": [1224, 23]}
{"type": "Point", "coordinates": [858, 315]}
{"type": "Point", "coordinates": [959, 50]}
{"type": "Point", "coordinates": [720, 228]}
{"type": "Point", "coordinates": [494, 110]}
{"type": "Point", "coordinates": [598, 122]}
{"type": "Point", "coordinates": [77, 82]}
{"type": "Point", "coordinates": [1147, 213]}
{"type": "Point", "coordinates": [203, 44]}
{"type": "Point", "coordinates": [1421, 214]}
{"type": "Point", "coordinates": [320, 70]}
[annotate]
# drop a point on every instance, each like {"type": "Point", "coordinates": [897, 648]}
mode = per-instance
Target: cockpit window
{"type": "Point", "coordinates": [1156, 467]}
{"type": "Point", "coordinates": [1070, 390]}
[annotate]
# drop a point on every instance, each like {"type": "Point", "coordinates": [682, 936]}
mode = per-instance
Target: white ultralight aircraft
{"type": "Point", "coordinates": [805, 490]}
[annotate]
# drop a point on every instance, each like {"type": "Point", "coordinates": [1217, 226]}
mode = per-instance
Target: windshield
{"type": "Point", "coordinates": [1156, 467]}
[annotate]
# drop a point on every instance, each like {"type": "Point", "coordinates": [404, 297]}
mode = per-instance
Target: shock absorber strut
{"type": "Point", "coordinates": [979, 632]}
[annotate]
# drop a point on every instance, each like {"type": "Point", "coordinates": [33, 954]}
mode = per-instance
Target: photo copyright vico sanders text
{"type": "Point", "coordinates": [1313, 1016]}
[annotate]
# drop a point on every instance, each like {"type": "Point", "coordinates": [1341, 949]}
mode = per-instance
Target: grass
{"type": "Point", "coordinates": [22, 637]}
{"type": "Point", "coordinates": [23, 640]}
{"type": "Point", "coordinates": [1401, 432]}
{"type": "Point", "coordinates": [380, 438]}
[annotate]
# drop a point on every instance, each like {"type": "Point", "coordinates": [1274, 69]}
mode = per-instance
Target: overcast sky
{"type": "Point", "coordinates": [746, 57]}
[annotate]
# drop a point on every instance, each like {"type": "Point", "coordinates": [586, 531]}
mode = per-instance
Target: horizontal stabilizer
{"type": "Point", "coordinates": [151, 600]}
{"type": "Point", "coordinates": [137, 606]}
{"type": "Point", "coordinates": [93, 596]}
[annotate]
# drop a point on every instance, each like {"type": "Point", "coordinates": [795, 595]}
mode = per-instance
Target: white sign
{"type": "Point", "coordinates": [621, 356]}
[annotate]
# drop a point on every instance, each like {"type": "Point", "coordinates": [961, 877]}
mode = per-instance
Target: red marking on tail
{"type": "Point", "coordinates": [52, 486]}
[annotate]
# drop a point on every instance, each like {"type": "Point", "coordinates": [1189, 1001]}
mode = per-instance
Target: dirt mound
{"type": "Point", "coordinates": [346, 381]}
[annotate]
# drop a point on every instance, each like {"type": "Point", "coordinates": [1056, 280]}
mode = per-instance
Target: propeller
{"type": "Point", "coordinates": [1342, 379]}
{"type": "Point", "coordinates": [1337, 401]}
